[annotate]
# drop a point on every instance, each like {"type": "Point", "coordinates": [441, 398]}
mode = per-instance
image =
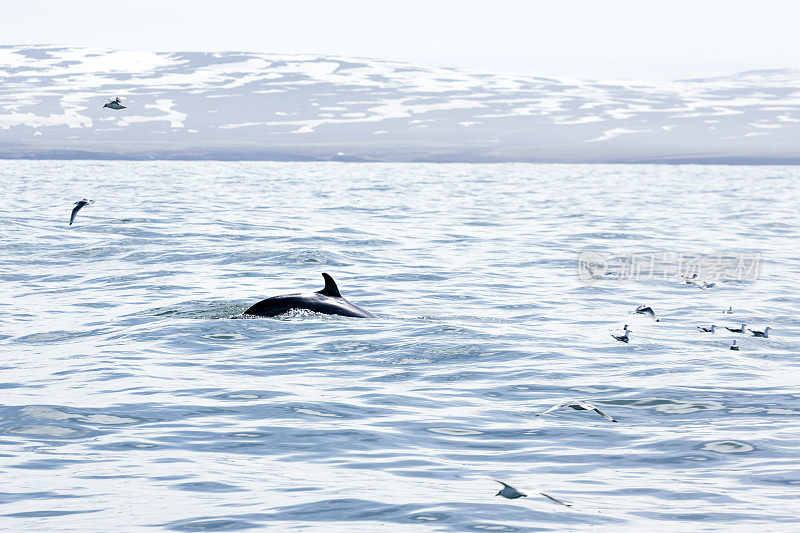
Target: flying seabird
{"type": "Point", "coordinates": [740, 330]}
{"type": "Point", "coordinates": [555, 500]}
{"type": "Point", "coordinates": [115, 103]}
{"type": "Point", "coordinates": [509, 492]}
{"type": "Point", "coordinates": [622, 338]}
{"type": "Point", "coordinates": [734, 347]}
{"type": "Point", "coordinates": [624, 331]}
{"type": "Point", "coordinates": [647, 310]}
{"type": "Point", "coordinates": [579, 406]}
{"type": "Point", "coordinates": [78, 206]}
{"type": "Point", "coordinates": [764, 333]}
{"type": "Point", "coordinates": [707, 330]}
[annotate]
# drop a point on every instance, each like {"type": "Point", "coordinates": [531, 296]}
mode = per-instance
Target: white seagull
{"type": "Point", "coordinates": [579, 406]}
{"type": "Point", "coordinates": [647, 310]}
{"type": "Point", "coordinates": [509, 492]}
{"type": "Point", "coordinates": [734, 346]}
{"type": "Point", "coordinates": [764, 333]}
{"type": "Point", "coordinates": [707, 330]}
{"type": "Point", "coordinates": [735, 330]}
{"type": "Point", "coordinates": [115, 103]}
{"type": "Point", "coordinates": [78, 206]}
{"type": "Point", "coordinates": [622, 338]}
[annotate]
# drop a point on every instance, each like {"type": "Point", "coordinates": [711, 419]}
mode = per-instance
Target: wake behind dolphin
{"type": "Point", "coordinates": [328, 301]}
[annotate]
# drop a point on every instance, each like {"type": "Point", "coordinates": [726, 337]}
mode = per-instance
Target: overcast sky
{"type": "Point", "coordinates": [639, 39]}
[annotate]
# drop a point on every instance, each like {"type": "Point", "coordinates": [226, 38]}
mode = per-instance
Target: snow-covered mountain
{"type": "Point", "coordinates": [236, 105]}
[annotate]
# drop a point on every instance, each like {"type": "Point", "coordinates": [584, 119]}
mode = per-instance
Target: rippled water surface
{"type": "Point", "coordinates": [133, 398]}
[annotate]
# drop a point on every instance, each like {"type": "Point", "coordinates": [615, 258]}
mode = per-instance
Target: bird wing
{"type": "Point", "coordinates": [506, 485]}
{"type": "Point", "coordinates": [559, 406]}
{"type": "Point", "coordinates": [555, 500]}
{"type": "Point", "coordinates": [590, 407]}
{"type": "Point", "coordinates": [75, 212]}
{"type": "Point", "coordinates": [601, 413]}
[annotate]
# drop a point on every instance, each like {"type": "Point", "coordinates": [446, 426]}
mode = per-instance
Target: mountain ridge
{"type": "Point", "coordinates": [244, 105]}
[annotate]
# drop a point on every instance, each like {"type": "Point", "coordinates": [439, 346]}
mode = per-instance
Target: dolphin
{"type": "Point", "coordinates": [328, 301]}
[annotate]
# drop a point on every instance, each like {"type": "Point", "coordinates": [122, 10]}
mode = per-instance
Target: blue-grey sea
{"type": "Point", "coordinates": [135, 397]}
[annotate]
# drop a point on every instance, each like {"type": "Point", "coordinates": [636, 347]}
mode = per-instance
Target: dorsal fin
{"type": "Point", "coordinates": [330, 287]}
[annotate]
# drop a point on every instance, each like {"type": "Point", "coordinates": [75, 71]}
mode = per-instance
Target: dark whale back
{"type": "Point", "coordinates": [328, 301]}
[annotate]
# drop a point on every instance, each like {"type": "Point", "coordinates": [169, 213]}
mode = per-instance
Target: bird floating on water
{"type": "Point", "coordinates": [115, 103]}
{"type": "Point", "coordinates": [755, 333]}
{"type": "Point", "coordinates": [622, 338]}
{"type": "Point", "coordinates": [729, 311]}
{"type": "Point", "coordinates": [734, 346]}
{"type": "Point", "coordinates": [735, 330]}
{"type": "Point", "coordinates": [647, 310]}
{"type": "Point", "coordinates": [689, 280]}
{"type": "Point", "coordinates": [707, 330]}
{"type": "Point", "coordinates": [78, 205]}
{"type": "Point", "coordinates": [509, 492]}
{"type": "Point", "coordinates": [579, 406]}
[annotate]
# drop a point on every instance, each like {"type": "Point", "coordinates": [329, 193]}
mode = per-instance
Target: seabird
{"type": "Point", "coordinates": [115, 103]}
{"type": "Point", "coordinates": [78, 206]}
{"type": "Point", "coordinates": [624, 330]}
{"type": "Point", "coordinates": [579, 406]}
{"type": "Point", "coordinates": [689, 280]}
{"type": "Point", "coordinates": [647, 310]}
{"type": "Point", "coordinates": [622, 338]}
{"type": "Point", "coordinates": [764, 333]}
{"type": "Point", "coordinates": [707, 330]}
{"type": "Point", "coordinates": [740, 330]}
{"type": "Point", "coordinates": [729, 311]}
{"type": "Point", "coordinates": [555, 499]}
{"type": "Point", "coordinates": [509, 492]}
{"type": "Point", "coordinates": [734, 347]}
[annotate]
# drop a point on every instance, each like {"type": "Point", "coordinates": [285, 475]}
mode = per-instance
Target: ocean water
{"type": "Point", "coordinates": [133, 397]}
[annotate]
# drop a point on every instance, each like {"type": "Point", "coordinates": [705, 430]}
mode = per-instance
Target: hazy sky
{"type": "Point", "coordinates": [585, 38]}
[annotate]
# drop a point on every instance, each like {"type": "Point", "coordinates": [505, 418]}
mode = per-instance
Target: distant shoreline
{"type": "Point", "coordinates": [279, 158]}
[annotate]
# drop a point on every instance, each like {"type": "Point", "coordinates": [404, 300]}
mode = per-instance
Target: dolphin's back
{"type": "Point", "coordinates": [277, 305]}
{"type": "Point", "coordinates": [328, 301]}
